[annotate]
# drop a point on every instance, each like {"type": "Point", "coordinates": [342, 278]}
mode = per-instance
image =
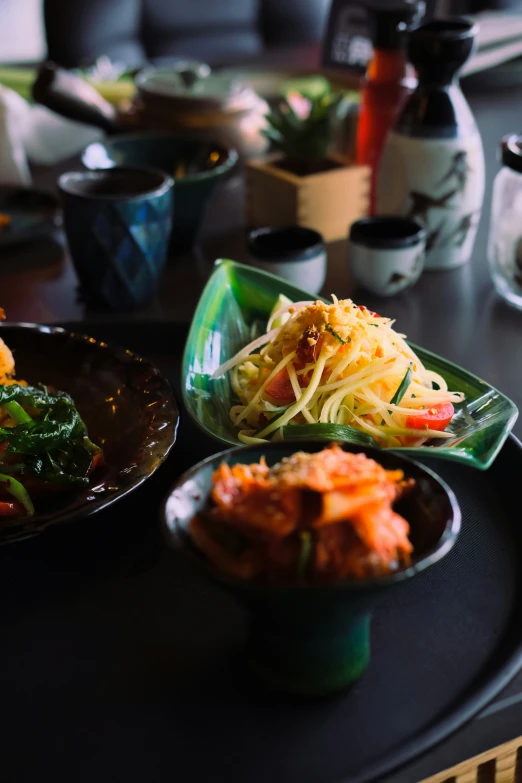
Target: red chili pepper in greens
{"type": "Point", "coordinates": [9, 509]}
{"type": "Point", "coordinates": [18, 491]}
{"type": "Point", "coordinates": [97, 462]}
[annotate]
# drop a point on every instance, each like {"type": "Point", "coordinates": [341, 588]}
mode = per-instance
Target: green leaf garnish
{"type": "Point", "coordinates": [17, 413]}
{"type": "Point", "coordinates": [54, 446]}
{"type": "Point", "coordinates": [334, 334]}
{"type": "Point", "coordinates": [403, 387]}
{"type": "Point", "coordinates": [340, 432]}
{"type": "Point", "coordinates": [305, 554]}
{"type": "Point", "coordinates": [278, 413]}
{"type": "Point", "coordinates": [18, 491]}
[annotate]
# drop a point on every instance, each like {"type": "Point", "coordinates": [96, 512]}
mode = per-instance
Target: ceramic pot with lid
{"type": "Point", "coordinates": [184, 99]}
{"type": "Point", "coordinates": [202, 104]}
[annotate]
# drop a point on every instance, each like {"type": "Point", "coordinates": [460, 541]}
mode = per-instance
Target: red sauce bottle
{"type": "Point", "coordinates": [388, 82]}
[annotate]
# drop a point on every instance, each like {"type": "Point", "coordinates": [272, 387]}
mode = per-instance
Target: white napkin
{"type": "Point", "coordinates": [34, 134]}
{"type": "Point", "coordinates": [14, 116]}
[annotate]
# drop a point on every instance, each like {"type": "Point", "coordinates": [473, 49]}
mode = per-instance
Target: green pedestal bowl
{"type": "Point", "coordinates": [196, 167]}
{"type": "Point", "coordinates": [315, 639]}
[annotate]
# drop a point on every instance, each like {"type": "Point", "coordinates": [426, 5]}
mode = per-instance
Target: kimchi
{"type": "Point", "coordinates": [321, 517]}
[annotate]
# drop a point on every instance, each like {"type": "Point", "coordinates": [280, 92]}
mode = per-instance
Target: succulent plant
{"type": "Point", "coordinates": [302, 126]}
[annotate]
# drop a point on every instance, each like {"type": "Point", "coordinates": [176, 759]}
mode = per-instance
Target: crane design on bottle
{"type": "Point", "coordinates": [432, 167]}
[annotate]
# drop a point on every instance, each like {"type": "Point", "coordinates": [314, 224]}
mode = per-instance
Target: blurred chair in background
{"type": "Point", "coordinates": [215, 31]}
{"type": "Point", "coordinates": [445, 7]}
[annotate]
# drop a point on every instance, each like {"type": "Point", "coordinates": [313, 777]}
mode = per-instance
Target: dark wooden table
{"type": "Point", "coordinates": [454, 313]}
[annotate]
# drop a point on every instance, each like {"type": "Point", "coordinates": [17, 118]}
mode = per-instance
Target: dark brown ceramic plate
{"type": "Point", "coordinates": [128, 406]}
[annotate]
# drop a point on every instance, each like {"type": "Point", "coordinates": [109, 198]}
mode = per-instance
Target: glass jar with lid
{"type": "Point", "coordinates": [505, 237]}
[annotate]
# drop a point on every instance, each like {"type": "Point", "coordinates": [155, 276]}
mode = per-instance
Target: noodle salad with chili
{"type": "Point", "coordinates": [341, 366]}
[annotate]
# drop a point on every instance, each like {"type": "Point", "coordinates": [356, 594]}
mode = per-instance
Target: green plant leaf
{"type": "Point", "coordinates": [272, 135]}
{"type": "Point", "coordinates": [308, 138]}
{"type": "Point", "coordinates": [289, 114]}
{"type": "Point", "coordinates": [276, 120]}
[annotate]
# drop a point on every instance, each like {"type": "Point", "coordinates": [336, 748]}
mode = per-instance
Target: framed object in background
{"type": "Point", "coordinates": [347, 44]}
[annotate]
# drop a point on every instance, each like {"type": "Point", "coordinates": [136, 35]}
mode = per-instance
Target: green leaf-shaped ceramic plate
{"type": "Point", "coordinates": [236, 296]}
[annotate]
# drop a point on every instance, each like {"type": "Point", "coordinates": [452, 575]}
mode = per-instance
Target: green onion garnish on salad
{"type": "Point", "coordinates": [403, 387]}
{"type": "Point", "coordinates": [329, 391]}
{"type": "Point", "coordinates": [305, 553]}
{"type": "Point", "coordinates": [337, 336]}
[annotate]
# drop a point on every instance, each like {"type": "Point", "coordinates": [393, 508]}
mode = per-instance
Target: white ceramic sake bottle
{"type": "Point", "coordinates": [432, 167]}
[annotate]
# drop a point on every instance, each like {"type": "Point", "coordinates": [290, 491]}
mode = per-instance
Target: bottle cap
{"type": "Point", "coordinates": [392, 19]}
{"type": "Point", "coordinates": [439, 48]}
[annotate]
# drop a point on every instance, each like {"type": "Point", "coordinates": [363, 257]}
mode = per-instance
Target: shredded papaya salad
{"type": "Point", "coordinates": [339, 371]}
{"type": "Point", "coordinates": [44, 444]}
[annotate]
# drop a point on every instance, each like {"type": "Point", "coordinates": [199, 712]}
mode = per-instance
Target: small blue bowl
{"type": "Point", "coordinates": [195, 166]}
{"type": "Point", "coordinates": [311, 639]}
{"type": "Point", "coordinates": [118, 224]}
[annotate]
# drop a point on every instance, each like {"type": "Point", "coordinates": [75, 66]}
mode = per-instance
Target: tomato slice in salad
{"type": "Point", "coordinates": [370, 312]}
{"type": "Point", "coordinates": [280, 388]}
{"type": "Point", "coordinates": [9, 509]}
{"type": "Point", "coordinates": [437, 417]}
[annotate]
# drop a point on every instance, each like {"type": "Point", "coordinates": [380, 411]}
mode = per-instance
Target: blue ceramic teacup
{"type": "Point", "coordinates": [118, 224]}
{"type": "Point", "coordinates": [196, 166]}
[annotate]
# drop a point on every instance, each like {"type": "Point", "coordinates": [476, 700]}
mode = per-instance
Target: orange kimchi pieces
{"type": "Point", "coordinates": [320, 517]}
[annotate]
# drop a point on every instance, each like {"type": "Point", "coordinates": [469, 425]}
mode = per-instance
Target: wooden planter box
{"type": "Point", "coordinates": [328, 202]}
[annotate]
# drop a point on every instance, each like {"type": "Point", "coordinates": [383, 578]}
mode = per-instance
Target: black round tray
{"type": "Point", "coordinates": [119, 663]}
